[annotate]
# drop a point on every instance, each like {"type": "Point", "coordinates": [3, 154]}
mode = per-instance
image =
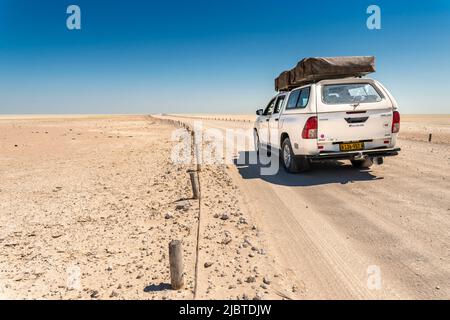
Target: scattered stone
{"type": "Point", "coordinates": [168, 215]}
{"type": "Point", "coordinates": [226, 240]}
{"type": "Point", "coordinates": [94, 294]}
{"type": "Point", "coordinates": [266, 280]}
{"type": "Point", "coordinates": [216, 215]}
{"type": "Point", "coordinates": [251, 254]}
{"type": "Point", "coordinates": [182, 205]}
{"type": "Point", "coordinates": [208, 264]}
{"type": "Point", "coordinates": [258, 296]}
{"type": "Point", "coordinates": [113, 294]}
{"type": "Point", "coordinates": [242, 220]}
{"type": "Point", "coordinates": [250, 279]}
{"type": "Point", "coordinates": [224, 216]}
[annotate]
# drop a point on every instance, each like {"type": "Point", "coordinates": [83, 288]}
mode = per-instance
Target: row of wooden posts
{"type": "Point", "coordinates": [175, 246]}
{"type": "Point", "coordinates": [214, 118]}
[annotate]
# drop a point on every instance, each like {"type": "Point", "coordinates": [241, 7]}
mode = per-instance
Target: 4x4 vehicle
{"type": "Point", "coordinates": [350, 118]}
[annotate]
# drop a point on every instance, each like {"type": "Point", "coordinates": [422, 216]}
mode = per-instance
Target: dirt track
{"type": "Point", "coordinates": [332, 227]}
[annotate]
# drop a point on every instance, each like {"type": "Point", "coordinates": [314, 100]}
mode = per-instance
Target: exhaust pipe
{"type": "Point", "coordinates": [378, 160]}
{"type": "Point", "coordinates": [360, 156]}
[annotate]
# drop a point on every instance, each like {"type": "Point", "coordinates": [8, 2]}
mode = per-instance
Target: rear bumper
{"type": "Point", "coordinates": [386, 152]}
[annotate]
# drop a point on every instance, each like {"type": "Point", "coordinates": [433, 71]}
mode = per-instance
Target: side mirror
{"type": "Point", "coordinates": [259, 112]}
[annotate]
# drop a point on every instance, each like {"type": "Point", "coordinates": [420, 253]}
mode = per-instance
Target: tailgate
{"type": "Point", "coordinates": [342, 126]}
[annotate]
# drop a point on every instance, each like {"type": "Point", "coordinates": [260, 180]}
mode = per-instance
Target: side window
{"type": "Point", "coordinates": [293, 98]}
{"type": "Point", "coordinates": [304, 98]}
{"type": "Point", "coordinates": [299, 99]}
{"type": "Point", "coordinates": [268, 110]}
{"type": "Point", "coordinates": [278, 104]}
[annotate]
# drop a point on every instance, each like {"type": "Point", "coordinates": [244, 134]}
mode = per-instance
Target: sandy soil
{"type": "Point", "coordinates": [334, 228]}
{"type": "Point", "coordinates": [89, 204]}
{"type": "Point", "coordinates": [98, 197]}
{"type": "Point", "coordinates": [418, 127]}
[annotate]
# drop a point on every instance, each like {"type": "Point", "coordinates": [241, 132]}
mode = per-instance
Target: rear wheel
{"type": "Point", "coordinates": [290, 162]}
{"type": "Point", "coordinates": [362, 164]}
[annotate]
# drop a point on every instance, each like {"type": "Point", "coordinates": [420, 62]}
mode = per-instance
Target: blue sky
{"type": "Point", "coordinates": [209, 56]}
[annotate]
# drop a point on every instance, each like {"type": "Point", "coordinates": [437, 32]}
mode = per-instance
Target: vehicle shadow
{"type": "Point", "coordinates": [326, 172]}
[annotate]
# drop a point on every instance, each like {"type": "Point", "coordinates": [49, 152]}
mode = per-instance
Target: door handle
{"type": "Point", "coordinates": [356, 120]}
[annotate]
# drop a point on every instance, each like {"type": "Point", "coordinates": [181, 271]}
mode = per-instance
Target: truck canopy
{"type": "Point", "coordinates": [311, 70]}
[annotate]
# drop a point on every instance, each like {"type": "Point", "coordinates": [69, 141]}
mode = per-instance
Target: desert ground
{"type": "Point", "coordinates": [88, 205]}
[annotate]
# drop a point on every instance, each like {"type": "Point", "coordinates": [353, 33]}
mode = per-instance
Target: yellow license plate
{"type": "Point", "coordinates": [351, 146]}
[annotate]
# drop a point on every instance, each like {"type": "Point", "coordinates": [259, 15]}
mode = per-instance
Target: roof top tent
{"type": "Point", "coordinates": [310, 70]}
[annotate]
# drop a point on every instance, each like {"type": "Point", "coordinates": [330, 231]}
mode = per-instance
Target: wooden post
{"type": "Point", "coordinates": [429, 137]}
{"type": "Point", "coordinates": [176, 264]}
{"type": "Point", "coordinates": [196, 150]}
{"type": "Point", "coordinates": [194, 184]}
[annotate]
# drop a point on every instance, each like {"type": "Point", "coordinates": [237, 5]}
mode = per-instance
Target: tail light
{"type": "Point", "coordinates": [310, 129]}
{"type": "Point", "coordinates": [396, 122]}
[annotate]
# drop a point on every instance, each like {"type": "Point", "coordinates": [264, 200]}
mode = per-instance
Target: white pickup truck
{"type": "Point", "coordinates": [350, 118]}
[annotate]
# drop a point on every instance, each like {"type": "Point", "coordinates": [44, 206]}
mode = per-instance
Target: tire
{"type": "Point", "coordinates": [269, 150]}
{"type": "Point", "coordinates": [256, 142]}
{"type": "Point", "coordinates": [290, 162]}
{"type": "Point", "coordinates": [362, 164]}
{"type": "Point", "coordinates": [258, 147]}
